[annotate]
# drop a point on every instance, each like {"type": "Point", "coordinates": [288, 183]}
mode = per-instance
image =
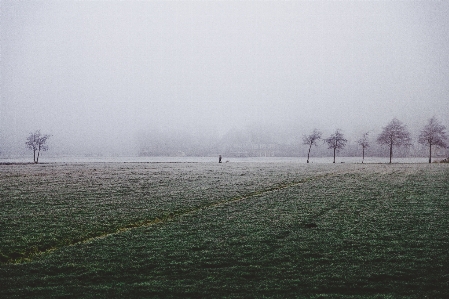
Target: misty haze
{"type": "Point", "coordinates": [128, 78]}
{"type": "Point", "coordinates": [224, 149]}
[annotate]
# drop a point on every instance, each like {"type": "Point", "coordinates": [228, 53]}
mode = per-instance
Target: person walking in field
{"type": "Point", "coordinates": [219, 158]}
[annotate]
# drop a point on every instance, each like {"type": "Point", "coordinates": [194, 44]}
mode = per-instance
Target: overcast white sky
{"type": "Point", "coordinates": [103, 70]}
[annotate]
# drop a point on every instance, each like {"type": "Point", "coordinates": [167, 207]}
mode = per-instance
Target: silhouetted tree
{"type": "Point", "coordinates": [364, 143]}
{"type": "Point", "coordinates": [311, 140]}
{"type": "Point", "coordinates": [433, 134]}
{"type": "Point", "coordinates": [336, 141]}
{"type": "Point", "coordinates": [36, 142]}
{"type": "Point", "coordinates": [394, 134]}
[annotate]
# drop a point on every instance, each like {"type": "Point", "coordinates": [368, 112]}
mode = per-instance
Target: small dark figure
{"type": "Point", "coordinates": [219, 158]}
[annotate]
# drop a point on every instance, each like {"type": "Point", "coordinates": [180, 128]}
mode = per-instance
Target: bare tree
{"type": "Point", "coordinates": [433, 134]}
{"type": "Point", "coordinates": [364, 143]}
{"type": "Point", "coordinates": [394, 134]}
{"type": "Point", "coordinates": [311, 140]}
{"type": "Point", "coordinates": [336, 141]}
{"type": "Point", "coordinates": [36, 142]}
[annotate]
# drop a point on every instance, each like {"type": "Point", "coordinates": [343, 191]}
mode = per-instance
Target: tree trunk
{"type": "Point", "coordinates": [363, 154]}
{"type": "Point", "coordinates": [391, 152]}
{"type": "Point", "coordinates": [334, 154]}
{"type": "Point", "coordinates": [430, 153]}
{"type": "Point", "coordinates": [34, 156]}
{"type": "Point", "coordinates": [37, 160]}
{"type": "Point", "coordinates": [308, 155]}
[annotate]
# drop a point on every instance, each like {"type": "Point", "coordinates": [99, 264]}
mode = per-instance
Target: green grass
{"type": "Point", "coordinates": [232, 230]}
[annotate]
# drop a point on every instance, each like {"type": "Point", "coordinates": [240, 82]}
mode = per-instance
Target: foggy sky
{"type": "Point", "coordinates": [96, 73]}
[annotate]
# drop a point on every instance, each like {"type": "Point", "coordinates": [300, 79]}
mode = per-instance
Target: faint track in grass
{"type": "Point", "coordinates": [175, 215]}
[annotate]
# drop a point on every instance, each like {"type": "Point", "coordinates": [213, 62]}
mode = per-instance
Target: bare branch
{"type": "Point", "coordinates": [364, 142]}
{"type": "Point", "coordinates": [336, 140]}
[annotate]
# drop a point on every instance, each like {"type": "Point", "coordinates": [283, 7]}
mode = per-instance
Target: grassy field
{"type": "Point", "coordinates": [236, 230]}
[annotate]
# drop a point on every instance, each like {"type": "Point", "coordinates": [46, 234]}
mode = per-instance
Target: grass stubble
{"type": "Point", "coordinates": [232, 230]}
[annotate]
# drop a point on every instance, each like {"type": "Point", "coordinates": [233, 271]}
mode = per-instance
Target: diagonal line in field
{"type": "Point", "coordinates": [174, 215]}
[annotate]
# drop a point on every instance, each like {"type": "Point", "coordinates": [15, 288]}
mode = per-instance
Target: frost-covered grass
{"type": "Point", "coordinates": [224, 230]}
{"type": "Point", "coordinates": [48, 206]}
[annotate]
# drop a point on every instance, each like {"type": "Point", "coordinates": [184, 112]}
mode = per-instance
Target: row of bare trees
{"type": "Point", "coordinates": [395, 134]}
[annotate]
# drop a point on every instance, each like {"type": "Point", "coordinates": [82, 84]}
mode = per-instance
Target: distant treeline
{"type": "Point", "coordinates": [254, 141]}
{"type": "Point", "coordinates": [190, 146]}
{"type": "Point", "coordinates": [257, 142]}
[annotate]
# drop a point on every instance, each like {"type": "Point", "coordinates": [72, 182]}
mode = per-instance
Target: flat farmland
{"type": "Point", "coordinates": [235, 230]}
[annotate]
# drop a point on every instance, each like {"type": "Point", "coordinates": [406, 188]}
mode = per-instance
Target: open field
{"type": "Point", "coordinates": [233, 230]}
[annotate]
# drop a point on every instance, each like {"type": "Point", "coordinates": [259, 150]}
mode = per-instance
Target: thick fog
{"type": "Point", "coordinates": [108, 76]}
